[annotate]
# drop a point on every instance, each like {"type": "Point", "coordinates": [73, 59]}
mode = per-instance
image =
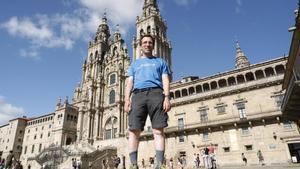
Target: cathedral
{"type": "Point", "coordinates": [236, 111]}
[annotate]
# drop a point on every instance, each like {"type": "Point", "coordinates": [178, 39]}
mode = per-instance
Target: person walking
{"type": "Point", "coordinates": [244, 159]}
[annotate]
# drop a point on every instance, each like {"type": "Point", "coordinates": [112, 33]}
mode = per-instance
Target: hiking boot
{"type": "Point", "coordinates": [133, 166]}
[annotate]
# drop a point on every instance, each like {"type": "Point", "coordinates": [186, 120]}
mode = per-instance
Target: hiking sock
{"type": "Point", "coordinates": [160, 156]}
{"type": "Point", "coordinates": [133, 157]}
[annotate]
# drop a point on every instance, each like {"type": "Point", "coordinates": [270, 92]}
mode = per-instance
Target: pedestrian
{"type": "Point", "coordinates": [143, 163]}
{"type": "Point", "coordinates": [260, 158]}
{"type": "Point", "coordinates": [197, 161]}
{"type": "Point", "coordinates": [78, 164]}
{"type": "Point", "coordinates": [171, 163]}
{"type": "Point", "coordinates": [244, 159]}
{"type": "Point", "coordinates": [74, 163]}
{"type": "Point", "coordinates": [2, 163]}
{"type": "Point", "coordinates": [147, 93]}
{"type": "Point", "coordinates": [207, 159]}
{"type": "Point", "coordinates": [9, 160]}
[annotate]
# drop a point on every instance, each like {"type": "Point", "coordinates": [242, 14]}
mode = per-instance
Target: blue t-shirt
{"type": "Point", "coordinates": [147, 72]}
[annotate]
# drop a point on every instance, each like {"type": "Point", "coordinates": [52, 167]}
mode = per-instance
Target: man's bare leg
{"type": "Point", "coordinates": [159, 142]}
{"type": "Point", "coordinates": [133, 142]}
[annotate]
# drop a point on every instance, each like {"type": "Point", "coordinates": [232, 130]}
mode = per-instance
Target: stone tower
{"type": "Point", "coordinates": [240, 59]}
{"type": "Point", "coordinates": [151, 22]}
{"type": "Point", "coordinates": [99, 96]}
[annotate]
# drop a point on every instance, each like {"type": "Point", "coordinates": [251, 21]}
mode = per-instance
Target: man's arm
{"type": "Point", "coordinates": [128, 88]}
{"type": "Point", "coordinates": [166, 87]}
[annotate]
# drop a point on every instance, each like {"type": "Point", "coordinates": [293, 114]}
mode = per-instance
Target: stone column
{"type": "Point", "coordinates": [80, 125]}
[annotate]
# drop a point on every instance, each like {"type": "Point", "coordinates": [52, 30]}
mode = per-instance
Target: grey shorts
{"type": "Point", "coordinates": [144, 103]}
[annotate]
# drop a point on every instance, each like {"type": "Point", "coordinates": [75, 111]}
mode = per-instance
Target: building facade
{"type": "Point", "coordinates": [237, 111]}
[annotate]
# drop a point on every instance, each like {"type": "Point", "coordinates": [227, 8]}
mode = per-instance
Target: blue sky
{"type": "Point", "coordinates": [43, 43]}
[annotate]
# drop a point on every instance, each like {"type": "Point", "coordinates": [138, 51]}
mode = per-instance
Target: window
{"type": "Point", "coordinates": [32, 149]}
{"type": "Point", "coordinates": [40, 147]}
{"type": "Point", "coordinates": [49, 126]}
{"type": "Point", "coordinates": [111, 128]}
{"type": "Point", "coordinates": [112, 97]}
{"type": "Point", "coordinates": [181, 137]}
{"type": "Point", "coordinates": [180, 124]}
{"type": "Point", "coordinates": [248, 147]}
{"type": "Point", "coordinates": [21, 131]}
{"type": "Point", "coordinates": [241, 110]}
{"type": "Point", "coordinates": [28, 131]}
{"type": "Point", "coordinates": [108, 134]}
{"type": "Point", "coordinates": [279, 99]}
{"type": "Point", "coordinates": [112, 79]}
{"type": "Point", "coordinates": [220, 109]}
{"type": "Point", "coordinates": [41, 135]}
{"type": "Point", "coordinates": [287, 124]}
{"type": "Point", "coordinates": [19, 140]}
{"type": "Point", "coordinates": [226, 149]}
{"type": "Point", "coordinates": [25, 150]}
{"type": "Point", "coordinates": [48, 134]}
{"type": "Point", "coordinates": [205, 136]}
{"type": "Point", "coordinates": [34, 137]}
{"type": "Point", "coordinates": [245, 131]}
{"type": "Point", "coordinates": [203, 115]}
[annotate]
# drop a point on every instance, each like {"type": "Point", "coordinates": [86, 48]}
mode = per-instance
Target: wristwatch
{"type": "Point", "coordinates": [168, 96]}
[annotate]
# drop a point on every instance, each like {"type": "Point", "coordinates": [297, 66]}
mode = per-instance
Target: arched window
{"type": "Point", "coordinates": [177, 94]}
{"type": "Point", "coordinates": [198, 89]}
{"type": "Point", "coordinates": [222, 83]}
{"type": "Point", "coordinates": [269, 71]}
{"type": "Point", "coordinates": [112, 96]}
{"type": "Point", "coordinates": [191, 90]}
{"type": "Point", "coordinates": [112, 79]}
{"type": "Point", "coordinates": [149, 30]}
{"type": "Point", "coordinates": [240, 79]}
{"type": "Point", "coordinates": [213, 85]}
{"type": "Point", "coordinates": [142, 32]}
{"type": "Point", "coordinates": [259, 74]}
{"type": "Point", "coordinates": [249, 76]}
{"type": "Point", "coordinates": [115, 52]}
{"type": "Point", "coordinates": [279, 69]}
{"type": "Point", "coordinates": [184, 92]}
{"type": "Point", "coordinates": [111, 128]}
{"type": "Point", "coordinates": [206, 87]}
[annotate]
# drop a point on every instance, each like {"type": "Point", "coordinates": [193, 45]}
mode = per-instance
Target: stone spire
{"type": "Point", "coordinates": [150, 7]}
{"type": "Point", "coordinates": [240, 59]}
{"type": "Point", "coordinates": [151, 22]}
{"type": "Point", "coordinates": [103, 32]}
{"type": "Point", "coordinates": [117, 34]}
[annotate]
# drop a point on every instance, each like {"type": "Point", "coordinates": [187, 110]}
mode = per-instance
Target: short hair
{"type": "Point", "coordinates": [147, 35]}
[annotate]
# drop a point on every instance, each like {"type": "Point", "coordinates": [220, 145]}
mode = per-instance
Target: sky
{"type": "Point", "coordinates": [43, 43]}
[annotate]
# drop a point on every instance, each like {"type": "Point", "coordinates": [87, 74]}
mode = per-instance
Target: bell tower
{"type": "Point", "coordinates": [151, 22]}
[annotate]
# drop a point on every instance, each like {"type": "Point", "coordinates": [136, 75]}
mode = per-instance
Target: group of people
{"type": "Point", "coordinates": [76, 164]}
{"type": "Point", "coordinates": [10, 162]}
{"type": "Point", "coordinates": [259, 156]}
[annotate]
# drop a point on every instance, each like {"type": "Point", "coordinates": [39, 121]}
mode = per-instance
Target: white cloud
{"type": "Point", "coordinates": [64, 29]}
{"type": "Point", "coordinates": [8, 111]}
{"type": "Point", "coordinates": [185, 2]}
{"type": "Point", "coordinates": [238, 6]}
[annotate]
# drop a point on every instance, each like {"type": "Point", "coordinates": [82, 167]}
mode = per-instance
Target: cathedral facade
{"type": "Point", "coordinates": [236, 111]}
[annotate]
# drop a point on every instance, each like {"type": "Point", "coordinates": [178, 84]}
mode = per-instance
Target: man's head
{"type": "Point", "coordinates": [147, 44]}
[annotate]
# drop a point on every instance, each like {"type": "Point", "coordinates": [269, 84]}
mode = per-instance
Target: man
{"type": "Point", "coordinates": [147, 93]}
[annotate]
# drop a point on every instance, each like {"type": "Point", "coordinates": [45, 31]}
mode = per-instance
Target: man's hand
{"type": "Point", "coordinates": [167, 104]}
{"type": "Point", "coordinates": [127, 106]}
